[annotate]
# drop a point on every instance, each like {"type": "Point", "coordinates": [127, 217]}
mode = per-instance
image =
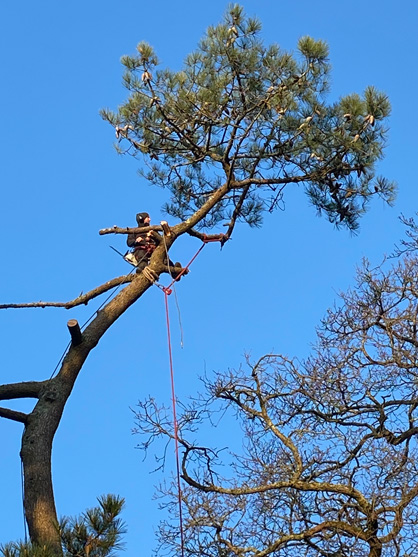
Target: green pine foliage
{"type": "Point", "coordinates": [96, 533]}
{"type": "Point", "coordinates": [255, 117]}
{"type": "Point", "coordinates": [21, 549]}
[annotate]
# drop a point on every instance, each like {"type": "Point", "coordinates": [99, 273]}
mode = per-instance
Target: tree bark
{"type": "Point", "coordinates": [43, 421]}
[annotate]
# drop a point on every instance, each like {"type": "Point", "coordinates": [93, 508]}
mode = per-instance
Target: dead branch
{"type": "Point", "coordinates": [134, 230]}
{"type": "Point", "coordinates": [206, 237]}
{"type": "Point", "coordinates": [192, 232]}
{"type": "Point", "coordinates": [81, 299]}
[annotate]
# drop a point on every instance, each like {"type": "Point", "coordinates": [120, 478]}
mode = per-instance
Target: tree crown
{"type": "Point", "coordinates": [254, 117]}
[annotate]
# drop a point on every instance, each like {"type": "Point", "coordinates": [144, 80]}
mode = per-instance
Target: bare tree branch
{"type": "Point", "coordinates": [13, 415]}
{"type": "Point", "coordinates": [26, 389]}
{"type": "Point", "coordinates": [134, 230]}
{"type": "Point", "coordinates": [207, 237]}
{"type": "Point", "coordinates": [81, 299]}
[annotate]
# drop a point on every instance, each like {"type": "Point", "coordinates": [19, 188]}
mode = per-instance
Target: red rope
{"type": "Point", "coordinates": [167, 291]}
{"type": "Point", "coordinates": [176, 437]}
{"type": "Point", "coordinates": [186, 268]}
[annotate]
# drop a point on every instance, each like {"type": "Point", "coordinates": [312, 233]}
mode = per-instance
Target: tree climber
{"type": "Point", "coordinates": [144, 244]}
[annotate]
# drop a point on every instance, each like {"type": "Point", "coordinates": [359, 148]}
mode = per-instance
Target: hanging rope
{"type": "Point", "coordinates": [167, 291]}
{"type": "Point", "coordinates": [175, 424]}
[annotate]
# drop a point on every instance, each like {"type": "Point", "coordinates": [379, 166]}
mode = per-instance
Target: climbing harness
{"type": "Point", "coordinates": [130, 256]}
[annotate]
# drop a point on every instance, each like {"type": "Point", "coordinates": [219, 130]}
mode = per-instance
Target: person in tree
{"type": "Point", "coordinates": [143, 244]}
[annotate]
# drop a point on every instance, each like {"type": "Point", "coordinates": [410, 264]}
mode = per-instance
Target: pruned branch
{"type": "Point", "coordinates": [81, 299]}
{"type": "Point", "coordinates": [206, 237]}
{"type": "Point", "coordinates": [134, 230]}
{"type": "Point", "coordinates": [13, 415]}
{"type": "Point", "coordinates": [75, 332]}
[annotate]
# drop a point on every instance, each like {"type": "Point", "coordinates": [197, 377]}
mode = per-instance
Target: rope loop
{"type": "Point", "coordinates": [150, 275]}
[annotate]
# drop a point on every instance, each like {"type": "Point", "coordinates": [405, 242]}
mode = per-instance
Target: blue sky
{"type": "Point", "coordinates": [61, 181]}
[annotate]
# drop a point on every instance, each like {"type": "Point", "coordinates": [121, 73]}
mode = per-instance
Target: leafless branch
{"type": "Point", "coordinates": [13, 415]}
{"type": "Point", "coordinates": [25, 389]}
{"type": "Point", "coordinates": [134, 230]}
{"type": "Point", "coordinates": [81, 299]}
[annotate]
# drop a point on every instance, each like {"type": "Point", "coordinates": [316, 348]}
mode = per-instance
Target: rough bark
{"type": "Point", "coordinates": [42, 423]}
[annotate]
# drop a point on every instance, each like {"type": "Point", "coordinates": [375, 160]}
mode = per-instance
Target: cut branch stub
{"type": "Point", "coordinates": [166, 228]}
{"type": "Point", "coordinates": [75, 331]}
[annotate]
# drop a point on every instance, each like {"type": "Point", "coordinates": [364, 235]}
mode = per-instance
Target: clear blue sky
{"type": "Point", "coordinates": [62, 181]}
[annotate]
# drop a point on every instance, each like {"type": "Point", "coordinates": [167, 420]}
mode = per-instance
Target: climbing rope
{"type": "Point", "coordinates": [167, 291]}
{"type": "Point", "coordinates": [175, 423]}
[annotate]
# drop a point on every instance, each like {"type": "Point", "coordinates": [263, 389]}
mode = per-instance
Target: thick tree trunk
{"type": "Point", "coordinates": [36, 451]}
{"type": "Point", "coordinates": [42, 423]}
{"type": "Point", "coordinates": [39, 500]}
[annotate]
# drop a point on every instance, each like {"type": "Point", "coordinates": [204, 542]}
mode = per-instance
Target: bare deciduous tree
{"type": "Point", "coordinates": [330, 460]}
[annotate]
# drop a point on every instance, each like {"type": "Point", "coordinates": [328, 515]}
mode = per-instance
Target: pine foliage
{"type": "Point", "coordinates": [96, 533]}
{"type": "Point", "coordinates": [256, 117]}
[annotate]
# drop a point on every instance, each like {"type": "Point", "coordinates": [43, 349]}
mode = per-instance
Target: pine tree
{"type": "Point", "coordinates": [248, 120]}
{"type": "Point", "coordinates": [96, 533]}
{"type": "Point", "coordinates": [225, 136]}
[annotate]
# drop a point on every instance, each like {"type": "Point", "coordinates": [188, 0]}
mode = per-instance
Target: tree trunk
{"type": "Point", "coordinates": [375, 549]}
{"type": "Point", "coordinates": [39, 502]}
{"type": "Point", "coordinates": [43, 421]}
{"type": "Point", "coordinates": [36, 452]}
{"type": "Point", "coordinates": [374, 543]}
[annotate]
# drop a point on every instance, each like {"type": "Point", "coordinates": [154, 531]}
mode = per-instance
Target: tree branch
{"type": "Point", "coordinates": [134, 230]}
{"type": "Point", "coordinates": [25, 389]}
{"type": "Point", "coordinates": [206, 237]}
{"type": "Point", "coordinates": [81, 299]}
{"type": "Point", "coordinates": [236, 213]}
{"type": "Point", "coordinates": [13, 415]}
